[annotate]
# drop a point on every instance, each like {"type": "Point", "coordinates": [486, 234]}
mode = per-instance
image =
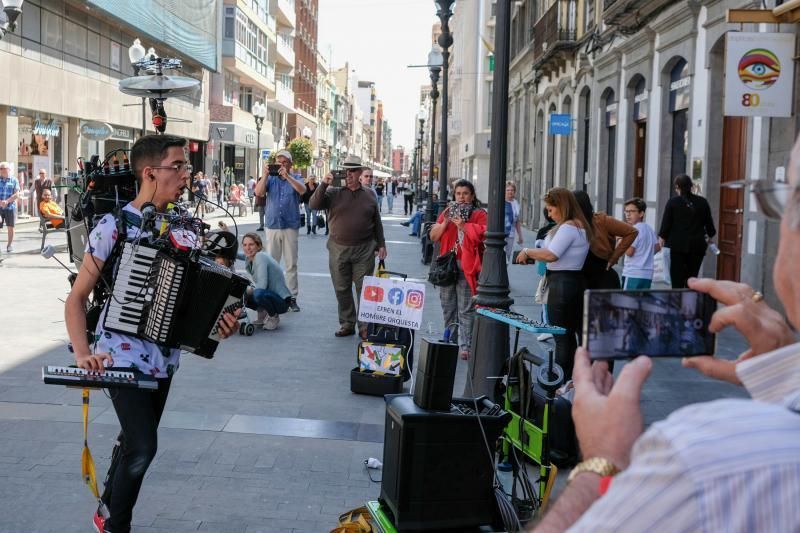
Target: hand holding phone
{"type": "Point", "coordinates": [619, 324]}
{"type": "Point", "coordinates": [520, 259]}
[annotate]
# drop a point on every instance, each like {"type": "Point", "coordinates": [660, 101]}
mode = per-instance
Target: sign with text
{"type": "Point", "coordinates": [759, 74]}
{"type": "Point", "coordinates": [560, 124]}
{"type": "Point", "coordinates": [392, 301]}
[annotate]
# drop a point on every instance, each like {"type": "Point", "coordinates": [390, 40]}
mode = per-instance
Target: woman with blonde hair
{"type": "Point", "coordinates": [268, 295]}
{"type": "Point", "coordinates": [564, 250]}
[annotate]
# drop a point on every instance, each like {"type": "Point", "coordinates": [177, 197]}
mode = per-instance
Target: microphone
{"type": "Point", "coordinates": [48, 252]}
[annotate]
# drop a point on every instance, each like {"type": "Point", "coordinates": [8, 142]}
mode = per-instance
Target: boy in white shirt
{"type": "Point", "coordinates": [638, 270]}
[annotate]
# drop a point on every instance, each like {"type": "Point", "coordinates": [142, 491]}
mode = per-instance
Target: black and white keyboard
{"type": "Point", "coordinates": [78, 377]}
{"type": "Point", "coordinates": [126, 306]}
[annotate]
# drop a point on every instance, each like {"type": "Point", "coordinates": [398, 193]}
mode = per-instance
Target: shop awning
{"type": "Point", "coordinates": [380, 174]}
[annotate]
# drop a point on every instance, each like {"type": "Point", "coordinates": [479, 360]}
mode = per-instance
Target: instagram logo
{"type": "Point", "coordinates": [415, 299]}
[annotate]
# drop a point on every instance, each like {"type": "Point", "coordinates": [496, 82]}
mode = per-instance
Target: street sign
{"type": "Point", "coordinates": [319, 163]}
{"type": "Point", "coordinates": [265, 153]}
{"type": "Point", "coordinates": [759, 74]}
{"type": "Point", "coordinates": [560, 124]}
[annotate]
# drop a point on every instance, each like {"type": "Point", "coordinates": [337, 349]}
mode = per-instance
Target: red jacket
{"type": "Point", "coordinates": [470, 252]}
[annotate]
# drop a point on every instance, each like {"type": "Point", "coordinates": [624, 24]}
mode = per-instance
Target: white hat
{"type": "Point", "coordinates": [284, 153]}
{"type": "Point", "coordinates": [352, 162]}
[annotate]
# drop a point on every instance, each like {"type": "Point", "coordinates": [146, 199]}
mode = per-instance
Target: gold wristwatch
{"type": "Point", "coordinates": [598, 465]}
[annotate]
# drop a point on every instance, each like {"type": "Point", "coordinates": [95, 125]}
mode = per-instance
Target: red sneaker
{"type": "Point", "coordinates": [99, 522]}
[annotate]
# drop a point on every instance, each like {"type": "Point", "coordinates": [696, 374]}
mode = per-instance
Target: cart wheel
{"type": "Point", "coordinates": [241, 329]}
{"type": "Point", "coordinates": [249, 329]}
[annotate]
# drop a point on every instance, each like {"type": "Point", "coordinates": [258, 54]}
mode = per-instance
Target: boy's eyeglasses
{"type": "Point", "coordinates": [772, 197]}
{"type": "Point", "coordinates": [180, 167]}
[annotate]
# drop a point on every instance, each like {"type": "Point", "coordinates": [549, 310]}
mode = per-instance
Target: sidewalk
{"type": "Point", "coordinates": [266, 437]}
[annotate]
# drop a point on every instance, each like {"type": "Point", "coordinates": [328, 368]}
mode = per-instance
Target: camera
{"type": "Point", "coordinates": [338, 177]}
{"type": "Point", "coordinates": [273, 169]}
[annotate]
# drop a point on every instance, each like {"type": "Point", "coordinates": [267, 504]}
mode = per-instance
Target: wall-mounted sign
{"type": "Point", "coordinates": [123, 133]}
{"type": "Point", "coordinates": [48, 129]}
{"type": "Point", "coordinates": [96, 131]}
{"type": "Point", "coordinates": [560, 124]}
{"type": "Point", "coordinates": [759, 74]}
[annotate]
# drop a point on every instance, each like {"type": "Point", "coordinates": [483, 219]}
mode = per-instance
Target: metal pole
{"type": "Point", "coordinates": [144, 117]}
{"type": "Point", "coordinates": [419, 168]}
{"type": "Point", "coordinates": [490, 343]}
{"type": "Point", "coordinates": [429, 216]}
{"type": "Point", "coordinates": [445, 42]}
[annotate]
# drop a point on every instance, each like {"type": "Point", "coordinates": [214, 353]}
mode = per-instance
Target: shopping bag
{"type": "Point", "coordinates": [661, 267]}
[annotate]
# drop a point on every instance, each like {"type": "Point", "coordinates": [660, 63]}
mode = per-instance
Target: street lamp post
{"type": "Point", "coordinates": [445, 42]}
{"type": "Point", "coordinates": [421, 141]}
{"type": "Point", "coordinates": [259, 114]}
{"type": "Point", "coordinates": [12, 10]}
{"type": "Point", "coordinates": [490, 345]}
{"type": "Point", "coordinates": [434, 64]}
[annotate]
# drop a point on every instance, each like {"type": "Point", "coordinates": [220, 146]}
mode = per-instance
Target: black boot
{"type": "Point", "coordinates": [308, 230]}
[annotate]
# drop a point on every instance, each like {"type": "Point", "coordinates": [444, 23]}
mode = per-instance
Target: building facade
{"type": "Point", "coordinates": [303, 122]}
{"type": "Point", "coordinates": [62, 68]}
{"type": "Point", "coordinates": [639, 86]}
{"type": "Point", "coordinates": [247, 77]}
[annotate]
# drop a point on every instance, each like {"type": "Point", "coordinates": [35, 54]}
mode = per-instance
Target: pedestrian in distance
{"type": "Point", "coordinates": [461, 227]}
{"type": "Point", "coordinates": [408, 197]}
{"type": "Point", "coordinates": [638, 270]}
{"type": "Point", "coordinates": [724, 465]}
{"type": "Point", "coordinates": [564, 250]}
{"type": "Point", "coordinates": [391, 194]}
{"type": "Point", "coordinates": [311, 214]}
{"type": "Point", "coordinates": [513, 224]}
{"type": "Point", "coordinates": [687, 228]}
{"type": "Point", "coordinates": [9, 191]}
{"type": "Point", "coordinates": [41, 183]}
{"type": "Point", "coordinates": [380, 188]}
{"type": "Point", "coordinates": [283, 217]}
{"type": "Point", "coordinates": [268, 295]}
{"type": "Point", "coordinates": [162, 173]}
{"type": "Point", "coordinates": [610, 239]}
{"type": "Point", "coordinates": [356, 238]}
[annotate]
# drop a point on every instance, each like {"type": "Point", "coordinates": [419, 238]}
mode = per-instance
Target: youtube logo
{"type": "Point", "coordinates": [373, 293]}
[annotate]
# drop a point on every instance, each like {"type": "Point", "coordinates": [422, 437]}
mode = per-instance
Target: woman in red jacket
{"type": "Point", "coordinates": [462, 226]}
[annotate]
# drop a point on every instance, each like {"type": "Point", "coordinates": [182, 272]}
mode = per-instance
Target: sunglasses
{"type": "Point", "coordinates": [772, 197]}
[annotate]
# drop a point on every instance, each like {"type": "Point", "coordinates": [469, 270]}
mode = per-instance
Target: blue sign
{"type": "Point", "coordinates": [396, 296]}
{"type": "Point", "coordinates": [560, 124]}
{"type": "Point", "coordinates": [265, 153]}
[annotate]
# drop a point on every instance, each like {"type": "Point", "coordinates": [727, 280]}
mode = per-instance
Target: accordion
{"type": "Point", "coordinates": [172, 300]}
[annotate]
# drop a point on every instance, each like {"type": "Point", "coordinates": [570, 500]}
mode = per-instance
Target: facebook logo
{"type": "Point", "coordinates": [396, 296]}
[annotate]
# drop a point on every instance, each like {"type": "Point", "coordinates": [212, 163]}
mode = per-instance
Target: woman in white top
{"type": "Point", "coordinates": [565, 249]}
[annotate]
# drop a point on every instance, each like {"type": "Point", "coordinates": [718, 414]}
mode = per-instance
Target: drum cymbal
{"type": "Point", "coordinates": [158, 86]}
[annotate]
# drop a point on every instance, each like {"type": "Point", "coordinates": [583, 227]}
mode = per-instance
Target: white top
{"type": "Point", "coordinates": [570, 245]}
{"type": "Point", "coordinates": [727, 465]}
{"type": "Point", "coordinates": [515, 209]}
{"type": "Point", "coordinates": [127, 351]}
{"type": "Point", "coordinates": [640, 264]}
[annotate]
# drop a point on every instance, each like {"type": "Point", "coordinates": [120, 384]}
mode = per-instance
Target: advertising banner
{"type": "Point", "coordinates": [759, 74]}
{"type": "Point", "coordinates": [392, 301]}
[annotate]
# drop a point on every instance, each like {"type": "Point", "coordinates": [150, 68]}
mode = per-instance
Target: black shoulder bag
{"type": "Point", "coordinates": [444, 269]}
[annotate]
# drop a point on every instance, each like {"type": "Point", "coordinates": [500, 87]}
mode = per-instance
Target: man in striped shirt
{"type": "Point", "coordinates": [727, 465]}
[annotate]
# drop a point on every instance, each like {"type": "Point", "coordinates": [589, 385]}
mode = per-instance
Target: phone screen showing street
{"type": "Point", "coordinates": [622, 324]}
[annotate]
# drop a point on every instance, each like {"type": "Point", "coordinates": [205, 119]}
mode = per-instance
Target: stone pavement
{"type": "Point", "coordinates": [266, 437]}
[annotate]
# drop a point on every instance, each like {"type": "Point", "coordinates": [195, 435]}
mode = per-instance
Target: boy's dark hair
{"type": "Point", "coordinates": [151, 149]}
{"type": "Point", "coordinates": [638, 203]}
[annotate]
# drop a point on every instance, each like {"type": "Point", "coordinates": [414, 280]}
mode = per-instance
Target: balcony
{"type": "Point", "coordinates": [554, 33]}
{"type": "Point", "coordinates": [283, 11]}
{"type": "Point", "coordinates": [284, 94]}
{"type": "Point", "coordinates": [630, 12]}
{"type": "Point", "coordinates": [284, 50]}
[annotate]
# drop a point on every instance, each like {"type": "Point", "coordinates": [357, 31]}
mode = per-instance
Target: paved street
{"type": "Point", "coordinates": [266, 437]}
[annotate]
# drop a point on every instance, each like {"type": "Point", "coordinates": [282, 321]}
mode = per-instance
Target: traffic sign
{"type": "Point", "coordinates": [319, 163]}
{"type": "Point", "coordinates": [265, 153]}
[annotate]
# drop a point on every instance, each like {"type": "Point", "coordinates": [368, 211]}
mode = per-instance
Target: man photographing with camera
{"type": "Point", "coordinates": [356, 237]}
{"type": "Point", "coordinates": [283, 216]}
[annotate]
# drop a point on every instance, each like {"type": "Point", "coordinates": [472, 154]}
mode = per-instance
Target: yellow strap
{"type": "Point", "coordinates": [87, 463]}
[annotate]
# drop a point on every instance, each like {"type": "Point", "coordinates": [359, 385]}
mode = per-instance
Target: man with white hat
{"type": "Point", "coordinates": [283, 217]}
{"type": "Point", "coordinates": [356, 237]}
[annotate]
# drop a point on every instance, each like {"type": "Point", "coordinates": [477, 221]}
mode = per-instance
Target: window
{"type": "Point", "coordinates": [230, 22]}
{"type": "Point", "coordinates": [51, 30]}
{"type": "Point", "coordinates": [74, 39]}
{"type": "Point", "coordinates": [231, 92]}
{"type": "Point", "coordinates": [115, 64]}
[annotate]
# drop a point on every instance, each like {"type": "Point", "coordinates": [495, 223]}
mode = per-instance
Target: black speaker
{"type": "Point", "coordinates": [437, 468]}
{"type": "Point", "coordinates": [435, 374]}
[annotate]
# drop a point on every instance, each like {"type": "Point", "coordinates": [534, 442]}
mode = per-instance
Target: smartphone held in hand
{"type": "Point", "coordinates": [620, 324]}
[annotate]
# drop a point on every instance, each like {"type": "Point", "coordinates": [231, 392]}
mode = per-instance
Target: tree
{"type": "Point", "coordinates": [302, 152]}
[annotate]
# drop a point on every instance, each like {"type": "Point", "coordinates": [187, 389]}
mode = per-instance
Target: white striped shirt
{"type": "Point", "coordinates": [727, 465]}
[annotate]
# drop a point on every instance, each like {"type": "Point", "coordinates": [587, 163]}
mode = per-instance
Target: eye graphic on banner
{"type": "Point", "coordinates": [373, 294]}
{"type": "Point", "coordinates": [759, 69]}
{"type": "Point", "coordinates": [415, 299]}
{"type": "Point", "coordinates": [396, 296]}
